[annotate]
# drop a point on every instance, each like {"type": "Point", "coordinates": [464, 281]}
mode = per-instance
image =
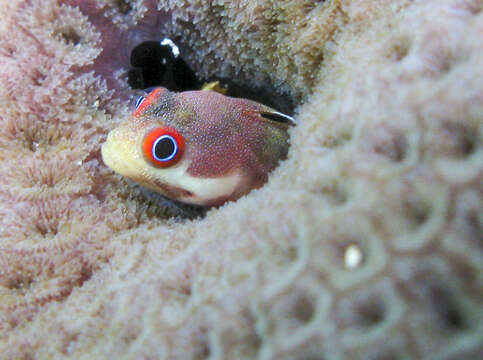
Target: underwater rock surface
{"type": "Point", "coordinates": [366, 243]}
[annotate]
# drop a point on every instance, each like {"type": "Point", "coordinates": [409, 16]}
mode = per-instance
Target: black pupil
{"type": "Point", "coordinates": [164, 148]}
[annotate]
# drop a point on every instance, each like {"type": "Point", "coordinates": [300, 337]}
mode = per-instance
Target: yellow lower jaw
{"type": "Point", "coordinates": [118, 153]}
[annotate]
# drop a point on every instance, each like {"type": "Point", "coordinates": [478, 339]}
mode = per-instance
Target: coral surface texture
{"type": "Point", "coordinates": [365, 243]}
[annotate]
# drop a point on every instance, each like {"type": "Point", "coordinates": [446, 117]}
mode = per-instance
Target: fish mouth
{"type": "Point", "coordinates": [118, 153]}
{"type": "Point", "coordinates": [106, 157]}
{"type": "Point", "coordinates": [108, 153]}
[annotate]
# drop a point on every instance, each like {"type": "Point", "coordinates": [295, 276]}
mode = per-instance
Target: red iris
{"type": "Point", "coordinates": [163, 146]}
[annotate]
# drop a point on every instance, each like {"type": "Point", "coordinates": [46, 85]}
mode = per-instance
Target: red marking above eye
{"type": "Point", "coordinates": [163, 147]}
{"type": "Point", "coordinates": [153, 95]}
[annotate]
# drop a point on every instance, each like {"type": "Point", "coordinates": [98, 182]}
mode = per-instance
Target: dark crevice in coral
{"type": "Point", "coordinates": [337, 140]}
{"type": "Point", "coordinates": [335, 193]}
{"type": "Point", "coordinates": [370, 312]}
{"type": "Point", "coordinates": [18, 282]}
{"type": "Point", "coordinates": [69, 340]}
{"type": "Point", "coordinates": [44, 227]}
{"type": "Point", "coordinates": [304, 309]}
{"type": "Point", "coordinates": [70, 36]}
{"type": "Point", "coordinates": [38, 78]}
{"type": "Point", "coordinates": [473, 222]}
{"type": "Point", "coordinates": [467, 139]}
{"type": "Point", "coordinates": [202, 345]}
{"type": "Point", "coordinates": [447, 309]}
{"type": "Point", "coordinates": [174, 208]}
{"type": "Point", "coordinates": [154, 64]}
{"type": "Point", "coordinates": [124, 6]}
{"type": "Point", "coordinates": [418, 211]}
{"type": "Point", "coordinates": [265, 95]}
{"type": "Point", "coordinates": [457, 140]}
{"type": "Point", "coordinates": [84, 275]}
{"type": "Point", "coordinates": [394, 147]}
{"type": "Point", "coordinates": [399, 49]}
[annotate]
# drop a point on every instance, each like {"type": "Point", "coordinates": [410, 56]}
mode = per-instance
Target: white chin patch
{"type": "Point", "coordinates": [204, 190]}
{"type": "Point", "coordinates": [208, 189]}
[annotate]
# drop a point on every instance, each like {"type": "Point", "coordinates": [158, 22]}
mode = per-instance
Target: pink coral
{"type": "Point", "coordinates": [364, 244]}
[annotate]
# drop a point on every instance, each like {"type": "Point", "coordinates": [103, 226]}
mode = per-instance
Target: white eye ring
{"type": "Point", "coordinates": [139, 101]}
{"type": "Point", "coordinates": [173, 153]}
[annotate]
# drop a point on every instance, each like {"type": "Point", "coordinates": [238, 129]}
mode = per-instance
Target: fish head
{"type": "Point", "coordinates": [199, 147]}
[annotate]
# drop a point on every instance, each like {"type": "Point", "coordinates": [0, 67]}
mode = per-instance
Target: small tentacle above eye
{"type": "Point", "coordinates": [142, 104]}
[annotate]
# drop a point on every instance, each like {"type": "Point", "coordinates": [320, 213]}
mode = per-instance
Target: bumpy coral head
{"type": "Point", "coordinates": [200, 147]}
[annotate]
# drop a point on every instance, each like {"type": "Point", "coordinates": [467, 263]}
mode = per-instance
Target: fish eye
{"type": "Point", "coordinates": [163, 147]}
{"type": "Point", "coordinates": [139, 101]}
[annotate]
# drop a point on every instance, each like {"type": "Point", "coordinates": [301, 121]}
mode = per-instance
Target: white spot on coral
{"type": "Point", "coordinates": [353, 257]}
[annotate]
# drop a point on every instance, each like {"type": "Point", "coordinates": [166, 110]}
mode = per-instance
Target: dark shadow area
{"type": "Point", "coordinates": [159, 63]}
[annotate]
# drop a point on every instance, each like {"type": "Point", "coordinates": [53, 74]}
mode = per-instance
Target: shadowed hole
{"type": "Point", "coordinates": [202, 345]}
{"type": "Point", "coordinates": [473, 222]}
{"type": "Point", "coordinates": [253, 342]}
{"type": "Point", "coordinates": [34, 135]}
{"type": "Point", "coordinates": [18, 282]}
{"type": "Point", "coordinates": [85, 274]}
{"type": "Point", "coordinates": [69, 342]}
{"type": "Point", "coordinates": [417, 211]}
{"type": "Point", "coordinates": [159, 63]}
{"type": "Point", "coordinates": [386, 354]}
{"type": "Point", "coordinates": [185, 290]}
{"type": "Point", "coordinates": [242, 336]}
{"type": "Point", "coordinates": [370, 312]}
{"type": "Point", "coordinates": [398, 49]}
{"type": "Point", "coordinates": [43, 220]}
{"type": "Point", "coordinates": [454, 140]}
{"type": "Point", "coordinates": [304, 309]}
{"type": "Point", "coordinates": [203, 351]}
{"type": "Point", "coordinates": [338, 140]}
{"type": "Point", "coordinates": [310, 5]}
{"type": "Point", "coordinates": [335, 193]}
{"type": "Point", "coordinates": [124, 6]}
{"type": "Point", "coordinates": [448, 310]}
{"type": "Point", "coordinates": [155, 64]}
{"type": "Point", "coordinates": [32, 145]}
{"type": "Point", "coordinates": [32, 140]}
{"type": "Point", "coordinates": [313, 349]}
{"type": "Point", "coordinates": [69, 35]}
{"type": "Point", "coordinates": [394, 148]}
{"type": "Point", "coordinates": [474, 7]}
{"type": "Point", "coordinates": [467, 221]}
{"type": "Point", "coordinates": [468, 140]}
{"type": "Point", "coordinates": [292, 253]}
{"type": "Point", "coordinates": [46, 228]}
{"type": "Point", "coordinates": [37, 77]}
